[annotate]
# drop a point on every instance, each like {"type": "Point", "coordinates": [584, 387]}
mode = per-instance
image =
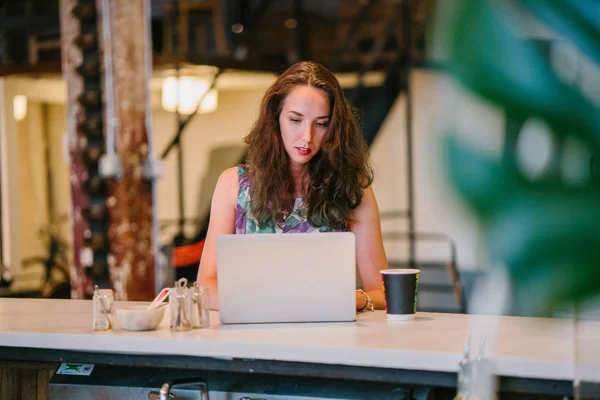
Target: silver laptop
{"type": "Point", "coordinates": [292, 277]}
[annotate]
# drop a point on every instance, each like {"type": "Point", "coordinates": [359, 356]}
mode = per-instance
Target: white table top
{"type": "Point", "coordinates": [527, 347]}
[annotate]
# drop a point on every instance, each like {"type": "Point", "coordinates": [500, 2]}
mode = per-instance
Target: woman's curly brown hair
{"type": "Point", "coordinates": [338, 173]}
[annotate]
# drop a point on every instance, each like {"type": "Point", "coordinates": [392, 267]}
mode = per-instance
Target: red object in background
{"type": "Point", "coordinates": [184, 256]}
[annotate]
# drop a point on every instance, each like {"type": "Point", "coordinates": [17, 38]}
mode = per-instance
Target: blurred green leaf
{"type": "Point", "coordinates": [487, 58]}
{"type": "Point", "coordinates": [545, 231]}
{"type": "Point", "coordinates": [576, 20]}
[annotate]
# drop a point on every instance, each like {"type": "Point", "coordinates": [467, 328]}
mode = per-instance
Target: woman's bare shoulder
{"type": "Point", "coordinates": [227, 186]}
{"type": "Point", "coordinates": [230, 175]}
{"type": "Point", "coordinates": [368, 204]}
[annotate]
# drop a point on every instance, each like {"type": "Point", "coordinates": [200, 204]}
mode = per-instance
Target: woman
{"type": "Point", "coordinates": [307, 170]}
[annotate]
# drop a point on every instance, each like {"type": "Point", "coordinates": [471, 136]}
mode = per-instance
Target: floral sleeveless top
{"type": "Point", "coordinates": [296, 222]}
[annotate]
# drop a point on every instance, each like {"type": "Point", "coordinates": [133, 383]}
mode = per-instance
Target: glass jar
{"type": "Point", "coordinates": [198, 306]}
{"type": "Point", "coordinates": [102, 304]}
{"type": "Point", "coordinates": [179, 310]}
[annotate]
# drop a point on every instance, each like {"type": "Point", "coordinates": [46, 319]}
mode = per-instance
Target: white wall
{"type": "Point", "coordinates": [11, 209]}
{"type": "Point", "coordinates": [32, 181]}
{"type": "Point", "coordinates": [25, 206]}
{"type": "Point", "coordinates": [437, 102]}
{"type": "Point", "coordinates": [24, 185]}
{"type": "Point", "coordinates": [61, 182]}
{"type": "Point", "coordinates": [388, 156]}
{"type": "Point", "coordinates": [224, 128]}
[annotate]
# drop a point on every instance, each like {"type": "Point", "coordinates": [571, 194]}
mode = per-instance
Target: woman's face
{"type": "Point", "coordinates": [304, 122]}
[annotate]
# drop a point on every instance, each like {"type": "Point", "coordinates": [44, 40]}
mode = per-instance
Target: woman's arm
{"type": "Point", "coordinates": [370, 254]}
{"type": "Point", "coordinates": [222, 222]}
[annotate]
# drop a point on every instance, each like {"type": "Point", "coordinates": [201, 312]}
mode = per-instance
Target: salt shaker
{"type": "Point", "coordinates": [198, 306]}
{"type": "Point", "coordinates": [178, 306]}
{"type": "Point", "coordinates": [102, 303]}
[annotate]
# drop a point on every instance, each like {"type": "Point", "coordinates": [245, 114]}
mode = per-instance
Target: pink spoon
{"type": "Point", "coordinates": [159, 298]}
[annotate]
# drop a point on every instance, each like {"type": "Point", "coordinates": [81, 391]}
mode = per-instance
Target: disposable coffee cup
{"type": "Point", "coordinates": [401, 288]}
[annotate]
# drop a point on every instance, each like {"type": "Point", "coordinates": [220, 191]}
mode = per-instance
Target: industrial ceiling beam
{"type": "Point", "coordinates": [302, 38]}
{"type": "Point", "coordinates": [247, 33]}
{"type": "Point", "coordinates": [351, 33]}
{"type": "Point", "coordinates": [27, 22]}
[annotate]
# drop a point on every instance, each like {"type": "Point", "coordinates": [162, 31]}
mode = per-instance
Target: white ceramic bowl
{"type": "Point", "coordinates": [139, 318]}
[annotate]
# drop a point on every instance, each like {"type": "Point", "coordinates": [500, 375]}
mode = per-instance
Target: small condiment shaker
{"type": "Point", "coordinates": [178, 308]}
{"type": "Point", "coordinates": [198, 306]}
{"type": "Point", "coordinates": [102, 303]}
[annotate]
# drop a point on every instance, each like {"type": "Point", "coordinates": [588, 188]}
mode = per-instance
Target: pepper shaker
{"type": "Point", "coordinates": [198, 306]}
{"type": "Point", "coordinates": [178, 306]}
{"type": "Point", "coordinates": [102, 304]}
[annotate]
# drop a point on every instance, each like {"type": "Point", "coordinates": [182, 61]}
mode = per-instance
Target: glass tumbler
{"type": "Point", "coordinates": [102, 303]}
{"type": "Point", "coordinates": [178, 300]}
{"type": "Point", "coordinates": [198, 306]}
